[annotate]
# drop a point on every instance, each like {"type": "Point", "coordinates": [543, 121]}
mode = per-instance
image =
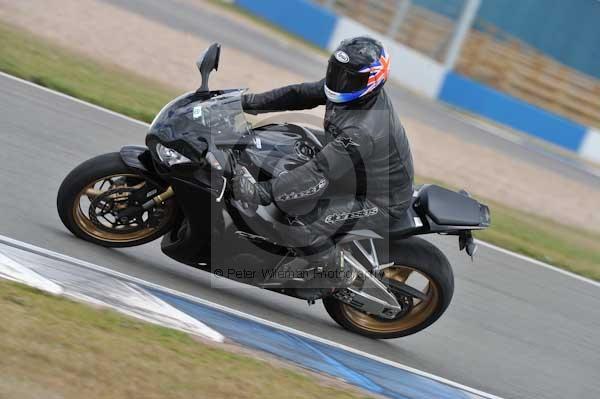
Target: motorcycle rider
{"type": "Point", "coordinates": [366, 158]}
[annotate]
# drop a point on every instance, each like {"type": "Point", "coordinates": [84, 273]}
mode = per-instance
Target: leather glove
{"type": "Point", "coordinates": [247, 190]}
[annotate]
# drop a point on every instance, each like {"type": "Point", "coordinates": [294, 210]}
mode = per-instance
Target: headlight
{"type": "Point", "coordinates": [170, 156]}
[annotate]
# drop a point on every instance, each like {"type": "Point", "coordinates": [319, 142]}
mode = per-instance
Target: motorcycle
{"type": "Point", "coordinates": [178, 187]}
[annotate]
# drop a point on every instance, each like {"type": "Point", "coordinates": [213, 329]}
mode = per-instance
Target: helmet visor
{"type": "Point", "coordinates": [343, 80]}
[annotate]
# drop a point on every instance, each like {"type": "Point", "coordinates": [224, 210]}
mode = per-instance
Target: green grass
{"type": "Point", "coordinates": [52, 347]}
{"type": "Point", "coordinates": [563, 246]}
{"type": "Point", "coordinates": [569, 248]}
{"type": "Point", "coordinates": [31, 58]}
{"type": "Point", "coordinates": [36, 60]}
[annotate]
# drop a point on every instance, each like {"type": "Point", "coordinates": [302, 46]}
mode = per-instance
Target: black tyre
{"type": "Point", "coordinates": [410, 256]}
{"type": "Point", "coordinates": [96, 190]}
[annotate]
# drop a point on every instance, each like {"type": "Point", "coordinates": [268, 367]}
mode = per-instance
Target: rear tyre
{"type": "Point", "coordinates": [95, 191]}
{"type": "Point", "coordinates": [418, 264]}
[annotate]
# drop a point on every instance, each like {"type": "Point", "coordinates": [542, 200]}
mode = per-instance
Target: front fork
{"type": "Point", "coordinates": [154, 201]}
{"type": "Point", "coordinates": [138, 158]}
{"type": "Point", "coordinates": [159, 199]}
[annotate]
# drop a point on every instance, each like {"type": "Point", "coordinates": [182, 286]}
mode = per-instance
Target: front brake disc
{"type": "Point", "coordinates": [105, 209]}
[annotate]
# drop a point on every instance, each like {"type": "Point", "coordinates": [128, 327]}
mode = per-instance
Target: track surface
{"type": "Point", "coordinates": [514, 329]}
{"type": "Point", "coordinates": [190, 17]}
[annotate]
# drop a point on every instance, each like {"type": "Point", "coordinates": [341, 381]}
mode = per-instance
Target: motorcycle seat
{"type": "Point", "coordinates": [448, 208]}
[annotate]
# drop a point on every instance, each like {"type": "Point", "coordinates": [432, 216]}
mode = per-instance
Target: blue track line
{"type": "Point", "coordinates": [366, 373]}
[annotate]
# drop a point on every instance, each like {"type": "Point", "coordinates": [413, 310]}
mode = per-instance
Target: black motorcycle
{"type": "Point", "coordinates": [178, 188]}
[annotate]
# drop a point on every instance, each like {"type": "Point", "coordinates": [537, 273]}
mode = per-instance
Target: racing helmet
{"type": "Point", "coordinates": [358, 67]}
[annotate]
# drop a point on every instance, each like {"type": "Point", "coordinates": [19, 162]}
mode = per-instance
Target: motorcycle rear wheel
{"type": "Point", "coordinates": [108, 176]}
{"type": "Point", "coordinates": [412, 257]}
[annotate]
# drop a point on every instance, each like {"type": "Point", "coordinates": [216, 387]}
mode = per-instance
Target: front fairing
{"type": "Point", "coordinates": [193, 122]}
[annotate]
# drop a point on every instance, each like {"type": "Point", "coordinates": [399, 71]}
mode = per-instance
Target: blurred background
{"type": "Point", "coordinates": [499, 97]}
{"type": "Point", "coordinates": [540, 53]}
{"type": "Point", "coordinates": [544, 52]}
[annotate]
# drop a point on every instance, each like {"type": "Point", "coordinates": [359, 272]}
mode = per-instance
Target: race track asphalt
{"type": "Point", "coordinates": [514, 329]}
{"type": "Point", "coordinates": [191, 17]}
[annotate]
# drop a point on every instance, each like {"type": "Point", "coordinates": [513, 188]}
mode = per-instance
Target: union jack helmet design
{"type": "Point", "coordinates": [347, 78]}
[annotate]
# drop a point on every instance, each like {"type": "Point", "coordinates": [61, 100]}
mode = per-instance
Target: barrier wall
{"type": "Point", "coordinates": [590, 148]}
{"type": "Point", "coordinates": [422, 74]}
{"type": "Point", "coordinates": [486, 101]}
{"type": "Point", "coordinates": [303, 18]}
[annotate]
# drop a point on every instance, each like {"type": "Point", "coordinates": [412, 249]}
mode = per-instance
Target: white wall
{"type": "Point", "coordinates": [409, 67]}
{"type": "Point", "coordinates": [590, 147]}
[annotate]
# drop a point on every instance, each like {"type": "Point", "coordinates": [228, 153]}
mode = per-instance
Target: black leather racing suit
{"type": "Point", "coordinates": [365, 167]}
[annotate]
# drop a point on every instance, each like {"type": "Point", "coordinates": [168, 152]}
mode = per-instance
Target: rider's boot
{"type": "Point", "coordinates": [323, 270]}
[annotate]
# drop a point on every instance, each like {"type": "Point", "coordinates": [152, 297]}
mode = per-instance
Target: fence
{"type": "Point", "coordinates": [488, 56]}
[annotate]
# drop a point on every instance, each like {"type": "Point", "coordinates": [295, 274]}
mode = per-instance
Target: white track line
{"type": "Point", "coordinates": [13, 270]}
{"type": "Point", "coordinates": [65, 258]}
{"type": "Point", "coordinates": [126, 297]}
{"type": "Point", "coordinates": [504, 251]}
{"type": "Point", "coordinates": [538, 263]}
{"type": "Point", "coordinates": [78, 101]}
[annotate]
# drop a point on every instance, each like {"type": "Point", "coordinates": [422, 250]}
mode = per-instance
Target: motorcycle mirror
{"type": "Point", "coordinates": [208, 61]}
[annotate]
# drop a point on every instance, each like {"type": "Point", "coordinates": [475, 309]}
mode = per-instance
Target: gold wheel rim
{"type": "Point", "coordinates": [84, 223]}
{"type": "Point", "coordinates": [420, 311]}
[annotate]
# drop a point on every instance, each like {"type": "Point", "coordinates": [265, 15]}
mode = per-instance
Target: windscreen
{"type": "Point", "coordinates": [222, 115]}
{"type": "Point", "coordinates": [194, 115]}
{"type": "Point", "coordinates": [194, 120]}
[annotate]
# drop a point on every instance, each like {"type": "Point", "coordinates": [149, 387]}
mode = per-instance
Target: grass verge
{"type": "Point", "coordinates": [37, 60]}
{"type": "Point", "coordinates": [34, 59]}
{"type": "Point", "coordinates": [53, 347]}
{"type": "Point", "coordinates": [563, 246]}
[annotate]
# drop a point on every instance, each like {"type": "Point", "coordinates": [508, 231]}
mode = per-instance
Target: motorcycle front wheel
{"type": "Point", "coordinates": [93, 196]}
{"type": "Point", "coordinates": [416, 263]}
